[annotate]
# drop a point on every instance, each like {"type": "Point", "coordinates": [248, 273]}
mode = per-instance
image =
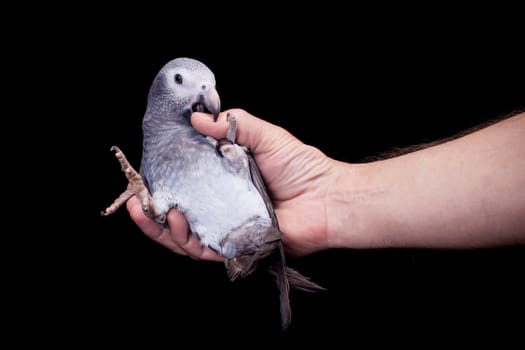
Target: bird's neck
{"type": "Point", "coordinates": [163, 111]}
{"type": "Point", "coordinates": [166, 123]}
{"type": "Point", "coordinates": [154, 125]}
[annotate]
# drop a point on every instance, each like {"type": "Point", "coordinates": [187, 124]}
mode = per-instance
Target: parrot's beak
{"type": "Point", "coordinates": [211, 102]}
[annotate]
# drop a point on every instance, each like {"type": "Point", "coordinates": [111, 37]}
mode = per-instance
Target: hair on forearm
{"type": "Point", "coordinates": [398, 151]}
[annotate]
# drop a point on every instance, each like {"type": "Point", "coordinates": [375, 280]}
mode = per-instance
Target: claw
{"type": "Point", "coordinates": [136, 187]}
{"type": "Point", "coordinates": [232, 128]}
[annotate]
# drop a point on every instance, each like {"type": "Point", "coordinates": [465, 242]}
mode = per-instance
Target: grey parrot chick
{"type": "Point", "coordinates": [215, 183]}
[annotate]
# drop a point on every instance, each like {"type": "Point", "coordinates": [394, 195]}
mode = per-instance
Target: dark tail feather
{"type": "Point", "coordinates": [301, 282]}
{"type": "Point", "coordinates": [287, 277]}
{"type": "Point", "coordinates": [298, 281]}
{"type": "Point", "coordinates": [279, 271]}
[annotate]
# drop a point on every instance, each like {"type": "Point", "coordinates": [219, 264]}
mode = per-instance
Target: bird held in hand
{"type": "Point", "coordinates": [215, 183]}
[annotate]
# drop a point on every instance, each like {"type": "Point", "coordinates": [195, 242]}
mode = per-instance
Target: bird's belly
{"type": "Point", "coordinates": [214, 200]}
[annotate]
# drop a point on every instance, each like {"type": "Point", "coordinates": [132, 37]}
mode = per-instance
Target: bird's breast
{"type": "Point", "coordinates": [215, 198]}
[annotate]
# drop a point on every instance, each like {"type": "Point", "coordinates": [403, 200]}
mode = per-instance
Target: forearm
{"type": "Point", "coordinates": [469, 192]}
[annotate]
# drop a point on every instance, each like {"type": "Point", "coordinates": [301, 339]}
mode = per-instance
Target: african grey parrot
{"type": "Point", "coordinates": [215, 183]}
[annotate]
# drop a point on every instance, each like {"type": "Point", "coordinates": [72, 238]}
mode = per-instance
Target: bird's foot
{"type": "Point", "coordinates": [227, 147]}
{"type": "Point", "coordinates": [232, 127]}
{"type": "Point", "coordinates": [136, 187]}
{"type": "Point", "coordinates": [230, 134]}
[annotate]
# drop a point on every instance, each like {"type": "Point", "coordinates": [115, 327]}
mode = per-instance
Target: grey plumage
{"type": "Point", "coordinates": [215, 183]}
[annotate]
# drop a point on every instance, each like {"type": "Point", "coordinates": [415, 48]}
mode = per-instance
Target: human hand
{"type": "Point", "coordinates": [297, 178]}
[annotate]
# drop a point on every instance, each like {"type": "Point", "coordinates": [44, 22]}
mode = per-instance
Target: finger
{"type": "Point", "coordinates": [150, 228]}
{"type": "Point", "coordinates": [252, 132]}
{"type": "Point", "coordinates": [197, 251]}
{"type": "Point", "coordinates": [177, 238]}
{"type": "Point", "coordinates": [166, 240]}
{"type": "Point", "coordinates": [178, 228]}
{"type": "Point", "coordinates": [208, 254]}
{"type": "Point", "coordinates": [185, 241]}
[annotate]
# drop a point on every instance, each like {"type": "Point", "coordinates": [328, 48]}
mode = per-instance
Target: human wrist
{"type": "Point", "coordinates": [351, 222]}
{"type": "Point", "coordinates": [341, 221]}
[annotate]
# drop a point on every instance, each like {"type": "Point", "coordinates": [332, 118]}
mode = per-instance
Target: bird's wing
{"type": "Point", "coordinates": [261, 187]}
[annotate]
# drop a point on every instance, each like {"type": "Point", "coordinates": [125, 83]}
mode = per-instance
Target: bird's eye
{"type": "Point", "coordinates": [178, 79]}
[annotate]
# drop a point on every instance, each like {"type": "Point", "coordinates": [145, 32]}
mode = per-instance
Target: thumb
{"type": "Point", "coordinates": [252, 132]}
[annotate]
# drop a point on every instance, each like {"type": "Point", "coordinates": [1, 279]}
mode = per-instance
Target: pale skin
{"type": "Point", "coordinates": [464, 193]}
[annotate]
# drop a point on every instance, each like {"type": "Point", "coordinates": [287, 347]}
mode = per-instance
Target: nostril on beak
{"type": "Point", "coordinates": [203, 87]}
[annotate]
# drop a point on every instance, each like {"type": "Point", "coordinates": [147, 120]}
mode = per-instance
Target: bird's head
{"type": "Point", "coordinates": [185, 85]}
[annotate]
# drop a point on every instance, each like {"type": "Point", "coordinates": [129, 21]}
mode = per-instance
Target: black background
{"type": "Point", "coordinates": [354, 85]}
